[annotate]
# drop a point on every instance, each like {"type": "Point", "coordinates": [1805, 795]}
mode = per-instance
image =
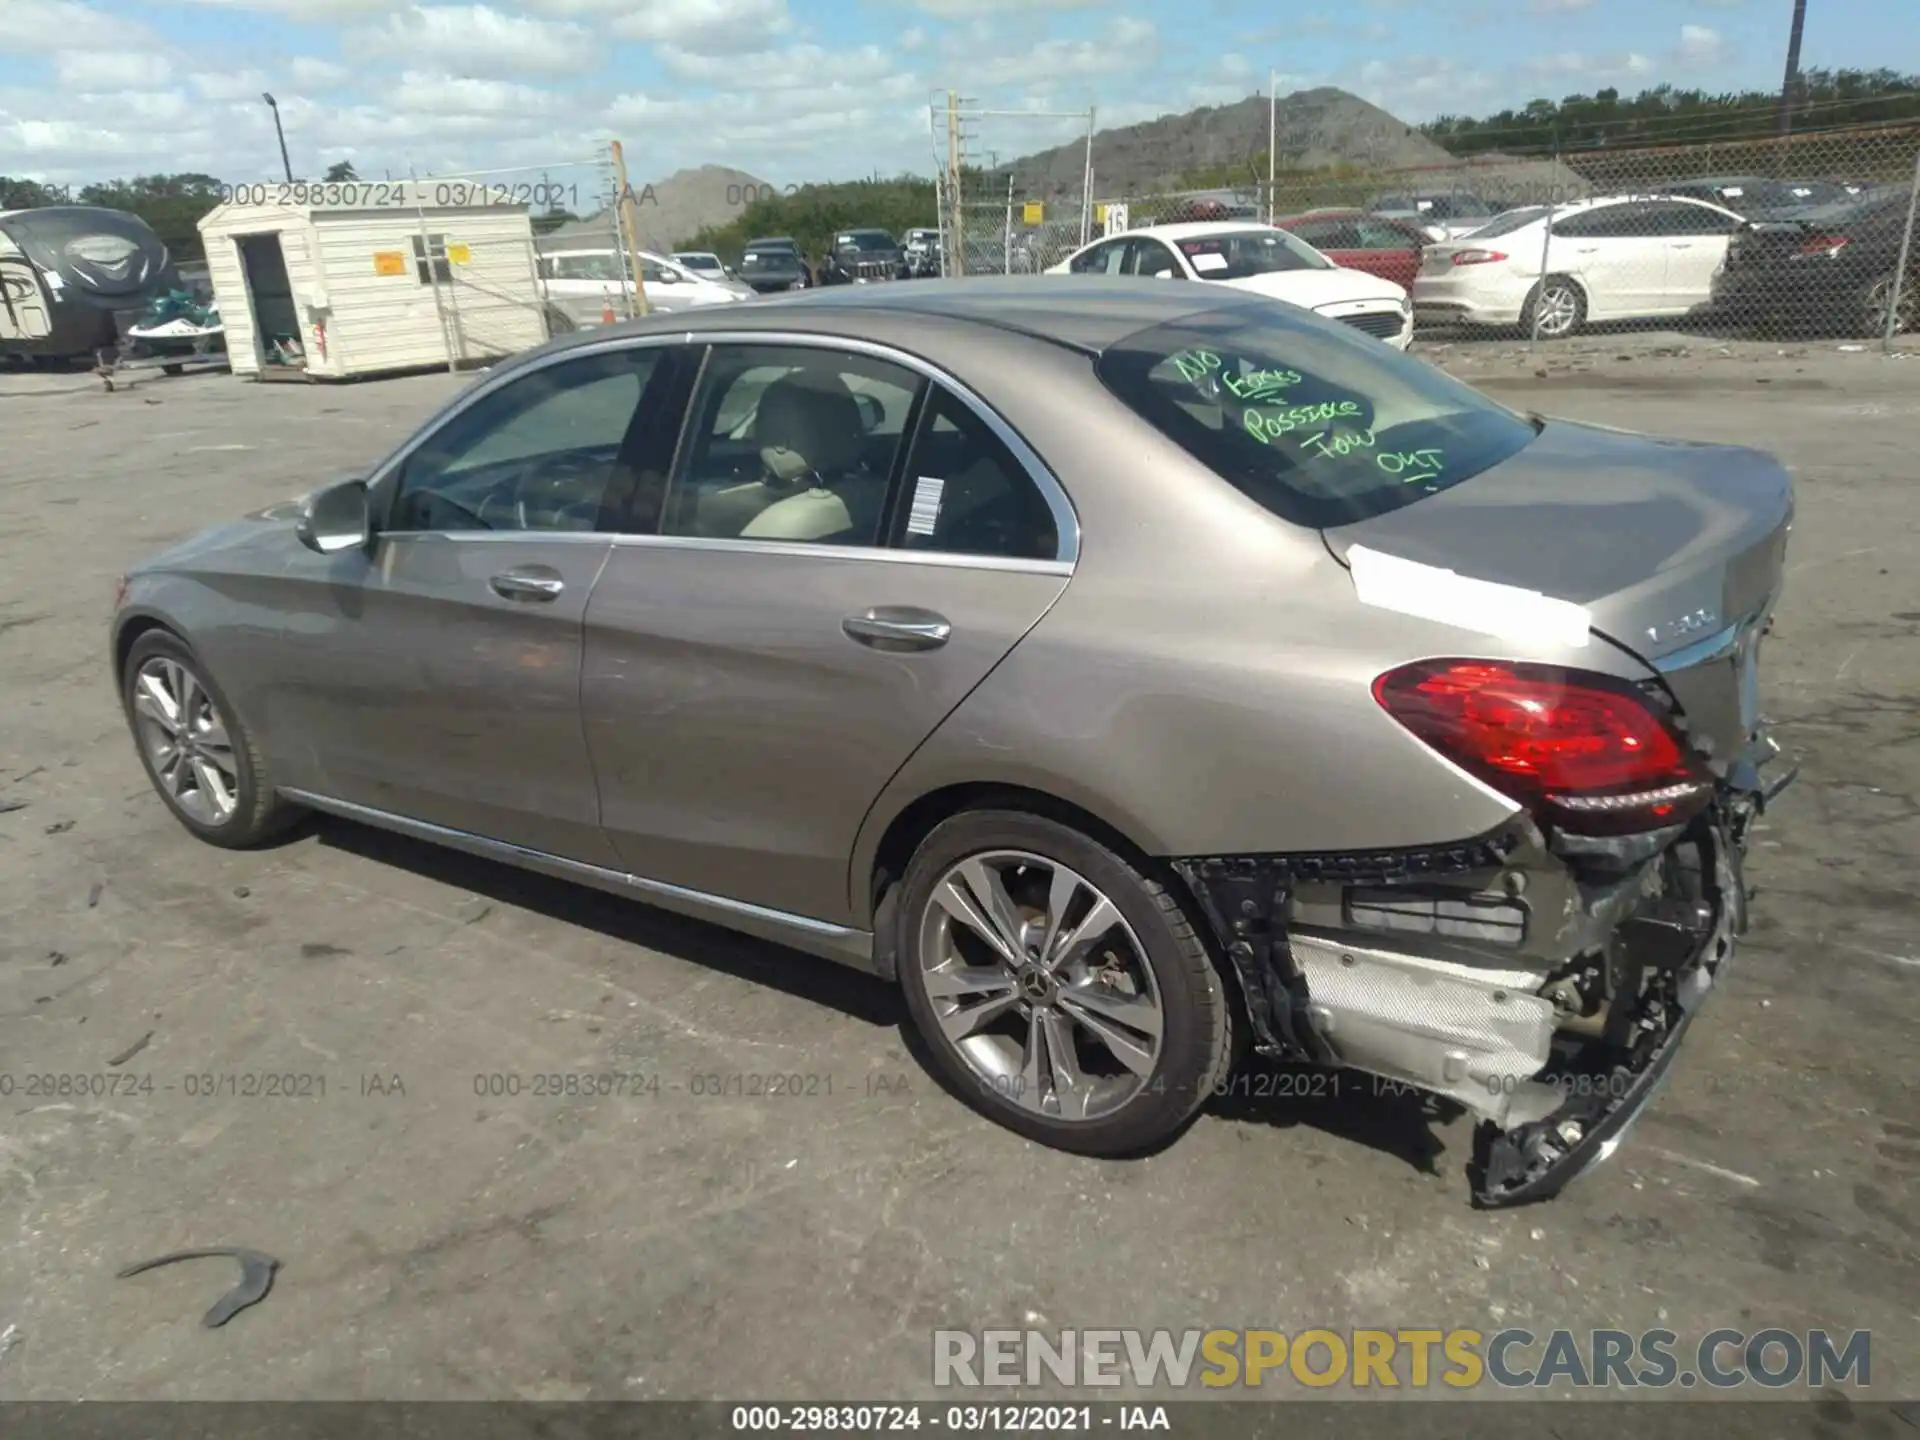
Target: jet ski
{"type": "Point", "coordinates": [178, 323]}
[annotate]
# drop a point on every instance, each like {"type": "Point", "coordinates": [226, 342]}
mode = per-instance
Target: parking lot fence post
{"type": "Point", "coordinates": [1086, 183]}
{"type": "Point", "coordinates": [1546, 246]}
{"type": "Point", "coordinates": [432, 262]}
{"type": "Point", "coordinates": [1906, 254]}
{"type": "Point", "coordinates": [1006, 238]}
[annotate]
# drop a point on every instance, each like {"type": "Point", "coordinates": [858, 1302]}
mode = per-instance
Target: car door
{"type": "Point", "coordinates": [1697, 237]}
{"type": "Point", "coordinates": [1386, 249]}
{"type": "Point", "coordinates": [1105, 258]}
{"type": "Point", "coordinates": [1614, 254]}
{"type": "Point", "coordinates": [436, 674]}
{"type": "Point", "coordinates": [1153, 259]}
{"type": "Point", "coordinates": [812, 604]}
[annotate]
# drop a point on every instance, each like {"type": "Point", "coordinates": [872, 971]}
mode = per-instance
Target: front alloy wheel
{"type": "Point", "coordinates": [1041, 985]}
{"type": "Point", "coordinates": [186, 741]}
{"type": "Point", "coordinates": [1880, 302]}
{"type": "Point", "coordinates": [195, 748]}
{"type": "Point", "coordinates": [1060, 986]}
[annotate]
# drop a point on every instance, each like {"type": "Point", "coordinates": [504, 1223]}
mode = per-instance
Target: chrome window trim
{"type": "Point", "coordinates": [1066, 519]}
{"type": "Point", "coordinates": [876, 553]}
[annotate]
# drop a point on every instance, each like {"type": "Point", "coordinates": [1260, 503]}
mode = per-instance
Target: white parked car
{"type": "Point", "coordinates": [585, 284]}
{"type": "Point", "coordinates": [705, 264]}
{"type": "Point", "coordinates": [1252, 256]}
{"type": "Point", "coordinates": [1623, 257]}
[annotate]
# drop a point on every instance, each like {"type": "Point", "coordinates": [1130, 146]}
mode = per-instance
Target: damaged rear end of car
{"type": "Point", "coordinates": [1566, 619]}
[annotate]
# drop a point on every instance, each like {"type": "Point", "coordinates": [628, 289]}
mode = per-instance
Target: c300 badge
{"type": "Point", "coordinates": [1692, 623]}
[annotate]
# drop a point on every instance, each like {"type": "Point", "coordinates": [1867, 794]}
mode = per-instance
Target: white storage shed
{"type": "Point", "coordinates": [323, 281]}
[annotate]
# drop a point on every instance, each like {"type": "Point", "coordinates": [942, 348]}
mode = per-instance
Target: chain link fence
{"type": "Point", "coordinates": [1013, 186]}
{"type": "Point", "coordinates": [1796, 237]}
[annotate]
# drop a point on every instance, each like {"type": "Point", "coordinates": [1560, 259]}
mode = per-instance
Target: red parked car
{"type": "Point", "coordinates": [1356, 240]}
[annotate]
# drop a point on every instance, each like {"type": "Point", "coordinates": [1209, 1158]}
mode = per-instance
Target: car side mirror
{"type": "Point", "coordinates": [336, 518]}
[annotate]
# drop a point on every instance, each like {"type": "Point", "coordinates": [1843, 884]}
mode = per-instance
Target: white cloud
{"type": "Point", "coordinates": [425, 94]}
{"type": "Point", "coordinates": [111, 69]}
{"type": "Point", "coordinates": [230, 84]}
{"type": "Point", "coordinates": [912, 39]}
{"type": "Point", "coordinates": [1700, 44]}
{"type": "Point", "coordinates": [708, 27]}
{"type": "Point", "coordinates": [797, 67]}
{"type": "Point", "coordinates": [965, 9]}
{"type": "Point", "coordinates": [308, 10]}
{"type": "Point", "coordinates": [313, 74]}
{"type": "Point", "coordinates": [40, 26]}
{"type": "Point", "coordinates": [478, 40]}
{"type": "Point", "coordinates": [1128, 45]}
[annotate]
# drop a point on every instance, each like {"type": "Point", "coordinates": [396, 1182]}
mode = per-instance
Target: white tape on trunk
{"type": "Point", "coordinates": [1449, 598]}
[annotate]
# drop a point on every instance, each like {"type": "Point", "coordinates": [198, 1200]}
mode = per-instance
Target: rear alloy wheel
{"type": "Point", "coordinates": [1063, 992]}
{"type": "Point", "coordinates": [197, 754]}
{"type": "Point", "coordinates": [1554, 310]}
{"type": "Point", "coordinates": [1879, 300]}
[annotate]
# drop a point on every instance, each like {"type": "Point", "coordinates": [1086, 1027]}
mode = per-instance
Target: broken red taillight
{"type": "Point", "coordinates": [1827, 245]}
{"type": "Point", "coordinates": [1586, 751]}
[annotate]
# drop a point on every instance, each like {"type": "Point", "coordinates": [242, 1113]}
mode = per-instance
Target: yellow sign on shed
{"type": "Point", "coordinates": [1032, 212]}
{"type": "Point", "coordinates": [459, 254]}
{"type": "Point", "coordinates": [389, 262]}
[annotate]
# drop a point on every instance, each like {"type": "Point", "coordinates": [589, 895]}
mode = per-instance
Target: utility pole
{"type": "Point", "coordinates": [953, 181]}
{"type": "Point", "coordinates": [1273, 130]}
{"type": "Point", "coordinates": [629, 228]}
{"type": "Point", "coordinates": [1791, 85]}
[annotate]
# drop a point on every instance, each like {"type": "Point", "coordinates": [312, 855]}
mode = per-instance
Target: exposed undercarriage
{"type": "Point", "coordinates": [1542, 980]}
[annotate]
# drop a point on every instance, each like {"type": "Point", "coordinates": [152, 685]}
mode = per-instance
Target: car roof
{"type": "Point", "coordinates": [1081, 312]}
{"type": "Point", "coordinates": [1193, 229]}
{"type": "Point", "coordinates": [771, 240]}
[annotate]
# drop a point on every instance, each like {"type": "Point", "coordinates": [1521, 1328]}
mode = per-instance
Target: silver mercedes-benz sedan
{"type": "Point", "coordinates": [1139, 674]}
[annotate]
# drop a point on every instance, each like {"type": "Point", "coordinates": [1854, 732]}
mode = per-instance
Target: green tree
{"type": "Point", "coordinates": [171, 204]}
{"type": "Point", "coordinates": [27, 194]}
{"type": "Point", "coordinates": [341, 172]}
{"type": "Point", "coordinates": [812, 213]}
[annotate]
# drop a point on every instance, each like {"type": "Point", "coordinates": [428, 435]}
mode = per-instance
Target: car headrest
{"type": "Point", "coordinates": [808, 423]}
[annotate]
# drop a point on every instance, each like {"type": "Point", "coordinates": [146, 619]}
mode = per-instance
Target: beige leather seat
{"type": "Point", "coordinates": [809, 430]}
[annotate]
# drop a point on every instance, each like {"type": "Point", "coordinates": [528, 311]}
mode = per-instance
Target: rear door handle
{"type": "Point", "coordinates": [898, 627]}
{"type": "Point", "coordinates": [530, 582]}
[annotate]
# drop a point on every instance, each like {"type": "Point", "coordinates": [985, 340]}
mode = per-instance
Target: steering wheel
{"type": "Point", "coordinates": [530, 509]}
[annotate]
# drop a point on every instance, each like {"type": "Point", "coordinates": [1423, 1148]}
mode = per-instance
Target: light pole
{"type": "Point", "coordinates": [1272, 114]}
{"type": "Point", "coordinates": [285, 163]}
{"type": "Point", "coordinates": [1791, 84]}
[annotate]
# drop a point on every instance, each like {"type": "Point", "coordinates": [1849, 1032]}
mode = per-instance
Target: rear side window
{"type": "Point", "coordinates": [1319, 423]}
{"type": "Point", "coordinates": [966, 493]}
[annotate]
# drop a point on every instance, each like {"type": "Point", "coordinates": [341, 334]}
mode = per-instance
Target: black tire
{"type": "Point", "coordinates": [259, 813]}
{"type": "Point", "coordinates": [1554, 330]}
{"type": "Point", "coordinates": [1197, 1040]}
{"type": "Point", "coordinates": [173, 368]}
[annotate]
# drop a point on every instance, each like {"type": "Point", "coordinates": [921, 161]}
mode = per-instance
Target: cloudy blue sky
{"type": "Point", "coordinates": [798, 89]}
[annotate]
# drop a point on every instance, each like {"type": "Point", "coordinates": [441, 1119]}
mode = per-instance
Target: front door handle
{"type": "Point", "coordinates": [532, 582]}
{"type": "Point", "coordinates": [898, 627]}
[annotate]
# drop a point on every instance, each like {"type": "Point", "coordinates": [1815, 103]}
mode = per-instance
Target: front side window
{"type": "Point", "coordinates": [793, 444]}
{"type": "Point", "coordinates": [541, 453]}
{"type": "Point", "coordinates": [967, 494]}
{"type": "Point", "coordinates": [1151, 258]}
{"type": "Point", "coordinates": [600, 269]}
{"type": "Point", "coordinates": [1238, 254]}
{"type": "Point", "coordinates": [1102, 259]}
{"type": "Point", "coordinates": [1320, 425]}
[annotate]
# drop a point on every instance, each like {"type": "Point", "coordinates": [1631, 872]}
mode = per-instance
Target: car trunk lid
{"type": "Point", "coordinates": [1676, 548]}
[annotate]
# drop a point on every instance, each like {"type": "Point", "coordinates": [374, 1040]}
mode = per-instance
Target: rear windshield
{"type": "Point", "coordinates": [870, 240]}
{"type": "Point", "coordinates": [758, 259]}
{"type": "Point", "coordinates": [1237, 254]}
{"type": "Point", "coordinates": [1511, 221]}
{"type": "Point", "coordinates": [1320, 423]}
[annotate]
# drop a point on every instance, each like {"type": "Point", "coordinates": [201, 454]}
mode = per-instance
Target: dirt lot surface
{"type": "Point", "coordinates": [443, 1241]}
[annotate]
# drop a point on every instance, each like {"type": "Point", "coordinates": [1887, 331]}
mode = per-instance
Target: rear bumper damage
{"type": "Point", "coordinates": [1542, 982]}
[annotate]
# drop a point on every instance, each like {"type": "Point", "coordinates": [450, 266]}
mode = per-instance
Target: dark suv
{"type": "Point", "coordinates": [859, 257]}
{"type": "Point", "coordinates": [775, 263]}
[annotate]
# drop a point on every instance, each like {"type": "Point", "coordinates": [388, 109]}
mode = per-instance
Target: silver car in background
{"type": "Point", "coordinates": [1137, 674]}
